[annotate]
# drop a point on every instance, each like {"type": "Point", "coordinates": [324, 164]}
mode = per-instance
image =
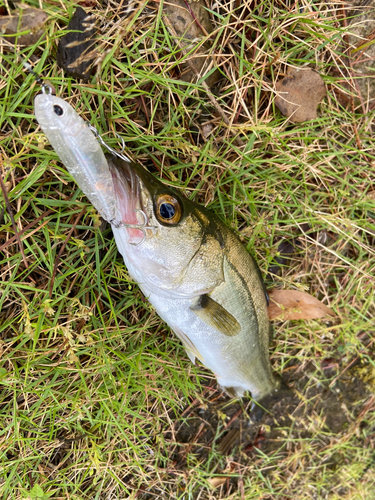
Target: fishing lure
{"type": "Point", "coordinates": [79, 150]}
{"type": "Point", "coordinates": [77, 144]}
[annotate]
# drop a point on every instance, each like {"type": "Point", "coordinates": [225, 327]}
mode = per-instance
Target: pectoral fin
{"type": "Point", "coordinates": [216, 316]}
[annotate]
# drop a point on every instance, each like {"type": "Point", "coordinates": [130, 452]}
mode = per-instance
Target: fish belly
{"type": "Point", "coordinates": [237, 362]}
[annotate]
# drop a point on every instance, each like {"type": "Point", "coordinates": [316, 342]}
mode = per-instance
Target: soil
{"type": "Point", "coordinates": [311, 412]}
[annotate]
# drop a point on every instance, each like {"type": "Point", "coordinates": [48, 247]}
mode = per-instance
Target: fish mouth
{"type": "Point", "coordinates": [127, 189]}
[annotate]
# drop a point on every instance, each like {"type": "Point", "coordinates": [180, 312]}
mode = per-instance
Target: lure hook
{"type": "Point", "coordinates": [141, 226]}
{"type": "Point", "coordinates": [122, 143]}
{"type": "Point", "coordinates": [111, 150]}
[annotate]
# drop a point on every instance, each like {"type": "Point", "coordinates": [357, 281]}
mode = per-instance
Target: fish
{"type": "Point", "coordinates": [189, 264]}
{"type": "Point", "coordinates": [200, 279]}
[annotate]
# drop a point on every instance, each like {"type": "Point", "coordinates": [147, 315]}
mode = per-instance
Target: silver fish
{"type": "Point", "coordinates": [200, 279]}
{"type": "Point", "coordinates": [188, 263]}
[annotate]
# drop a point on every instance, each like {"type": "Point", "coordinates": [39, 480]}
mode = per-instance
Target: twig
{"type": "Point", "coordinates": [202, 28]}
{"type": "Point", "coordinates": [218, 108]}
{"type": "Point", "coordinates": [59, 349]}
{"type": "Point", "coordinates": [240, 483]}
{"type": "Point", "coordinates": [145, 110]}
{"type": "Point", "coordinates": [365, 46]}
{"type": "Point", "coordinates": [351, 70]}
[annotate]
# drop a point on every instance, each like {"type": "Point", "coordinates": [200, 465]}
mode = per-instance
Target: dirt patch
{"type": "Point", "coordinates": [314, 413]}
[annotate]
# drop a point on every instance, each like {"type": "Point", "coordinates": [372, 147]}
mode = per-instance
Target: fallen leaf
{"type": "Point", "coordinates": [291, 304]}
{"type": "Point", "coordinates": [76, 51]}
{"type": "Point", "coordinates": [23, 19]}
{"type": "Point", "coordinates": [215, 482]}
{"type": "Point", "coordinates": [189, 22]}
{"type": "Point", "coordinates": [299, 94]}
{"type": "Point", "coordinates": [207, 129]}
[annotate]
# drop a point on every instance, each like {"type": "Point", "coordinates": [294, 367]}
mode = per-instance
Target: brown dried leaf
{"type": "Point", "coordinates": [215, 482]}
{"type": "Point", "coordinates": [299, 94]}
{"type": "Point", "coordinates": [188, 23]}
{"type": "Point", "coordinates": [291, 304]}
{"type": "Point", "coordinates": [24, 19]}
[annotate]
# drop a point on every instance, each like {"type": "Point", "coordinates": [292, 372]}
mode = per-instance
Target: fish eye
{"type": "Point", "coordinates": [168, 209]}
{"type": "Point", "coordinates": [58, 110]}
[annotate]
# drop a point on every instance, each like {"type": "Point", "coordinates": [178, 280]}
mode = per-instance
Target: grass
{"type": "Point", "coordinates": [98, 399]}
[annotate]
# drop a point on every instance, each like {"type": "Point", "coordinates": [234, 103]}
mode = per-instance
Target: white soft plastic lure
{"type": "Point", "coordinates": [79, 150]}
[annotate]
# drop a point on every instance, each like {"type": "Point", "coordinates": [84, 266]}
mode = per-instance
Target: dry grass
{"type": "Point", "coordinates": [98, 400]}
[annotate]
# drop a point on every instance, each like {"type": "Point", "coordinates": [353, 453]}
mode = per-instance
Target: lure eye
{"type": "Point", "coordinates": [58, 110]}
{"type": "Point", "coordinates": [168, 209]}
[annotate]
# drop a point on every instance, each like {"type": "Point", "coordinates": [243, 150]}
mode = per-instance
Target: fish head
{"type": "Point", "coordinates": [167, 241]}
